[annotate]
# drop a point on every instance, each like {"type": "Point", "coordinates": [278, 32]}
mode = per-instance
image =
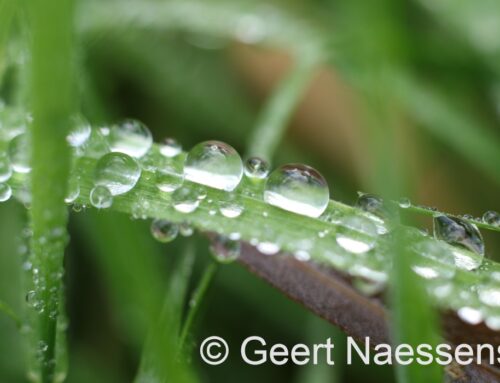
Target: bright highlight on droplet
{"type": "Point", "coordinates": [5, 192]}
{"type": "Point", "coordinates": [349, 238]}
{"type": "Point", "coordinates": [131, 137]}
{"type": "Point", "coordinates": [101, 197]}
{"type": "Point", "coordinates": [19, 153]}
{"type": "Point", "coordinates": [297, 188]}
{"type": "Point", "coordinates": [185, 200]}
{"type": "Point", "coordinates": [457, 231]}
{"type": "Point", "coordinates": [214, 164]}
{"type": "Point", "coordinates": [169, 147]}
{"type": "Point", "coordinates": [118, 172]}
{"type": "Point", "coordinates": [80, 131]}
{"type": "Point", "coordinates": [224, 249]}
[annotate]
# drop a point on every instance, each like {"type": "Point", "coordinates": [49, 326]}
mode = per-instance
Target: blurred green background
{"type": "Point", "coordinates": [412, 85]}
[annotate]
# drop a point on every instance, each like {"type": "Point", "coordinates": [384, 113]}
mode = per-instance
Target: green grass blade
{"type": "Point", "coordinates": [413, 318]}
{"type": "Point", "coordinates": [274, 118]}
{"type": "Point", "coordinates": [52, 102]}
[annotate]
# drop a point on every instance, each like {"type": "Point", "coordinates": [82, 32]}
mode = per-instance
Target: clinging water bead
{"type": "Point", "coordinates": [130, 137]}
{"type": "Point", "coordinates": [19, 153]}
{"type": "Point", "coordinates": [214, 164]}
{"type": "Point", "coordinates": [456, 231]}
{"type": "Point", "coordinates": [118, 172]}
{"type": "Point", "coordinates": [164, 231]}
{"type": "Point", "coordinates": [297, 188]}
{"type": "Point", "coordinates": [491, 218]}
{"type": "Point", "coordinates": [79, 132]}
{"type": "Point", "coordinates": [256, 168]}
{"type": "Point", "coordinates": [170, 147]}
{"type": "Point", "coordinates": [101, 197]}
{"type": "Point", "coordinates": [5, 192]}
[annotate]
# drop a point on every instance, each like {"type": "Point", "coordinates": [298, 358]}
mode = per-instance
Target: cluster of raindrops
{"type": "Point", "coordinates": [124, 153]}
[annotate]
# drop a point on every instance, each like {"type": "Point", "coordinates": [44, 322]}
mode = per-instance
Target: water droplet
{"type": "Point", "coordinates": [170, 147]}
{"type": "Point", "coordinates": [302, 255]}
{"type": "Point", "coordinates": [374, 204]}
{"type": "Point", "coordinates": [230, 207]}
{"type": "Point", "coordinates": [5, 168]}
{"type": "Point", "coordinates": [101, 197]}
{"type": "Point", "coordinates": [348, 234]}
{"type": "Point", "coordinates": [73, 191]}
{"type": "Point", "coordinates": [491, 218]}
{"type": "Point", "coordinates": [466, 260]}
{"type": "Point", "coordinates": [297, 188]}
{"type": "Point", "coordinates": [20, 153]}
{"type": "Point", "coordinates": [490, 296]}
{"type": "Point", "coordinates": [250, 29]}
{"type": "Point", "coordinates": [130, 137]}
{"type": "Point", "coordinates": [164, 231]}
{"type": "Point", "coordinates": [256, 168]}
{"type": "Point", "coordinates": [470, 315]}
{"type": "Point", "coordinates": [214, 164]}
{"type": "Point", "coordinates": [433, 260]}
{"type": "Point", "coordinates": [168, 179]}
{"type": "Point", "coordinates": [404, 203]}
{"type": "Point", "coordinates": [268, 248]}
{"type": "Point", "coordinates": [225, 250]}
{"type": "Point", "coordinates": [80, 131]}
{"type": "Point", "coordinates": [493, 322]}
{"type": "Point", "coordinates": [118, 172]}
{"type": "Point", "coordinates": [5, 192]}
{"type": "Point", "coordinates": [186, 229]}
{"type": "Point", "coordinates": [458, 232]}
{"type": "Point", "coordinates": [185, 200]}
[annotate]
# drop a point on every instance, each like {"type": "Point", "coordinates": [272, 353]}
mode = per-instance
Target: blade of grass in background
{"type": "Point", "coordinates": [52, 100]}
{"type": "Point", "coordinates": [7, 9]}
{"type": "Point", "coordinates": [125, 252]}
{"type": "Point", "coordinates": [273, 119]}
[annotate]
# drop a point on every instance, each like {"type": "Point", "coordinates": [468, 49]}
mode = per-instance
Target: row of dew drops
{"type": "Point", "coordinates": [123, 151]}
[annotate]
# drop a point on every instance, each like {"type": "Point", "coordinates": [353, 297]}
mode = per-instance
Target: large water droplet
{"type": "Point", "coordinates": [458, 232]}
{"type": "Point", "coordinates": [185, 200]}
{"type": "Point", "coordinates": [118, 172]}
{"type": "Point", "coordinates": [164, 231]}
{"type": "Point", "coordinates": [101, 197]}
{"type": "Point", "coordinates": [491, 218]}
{"type": "Point", "coordinates": [5, 192]}
{"type": "Point", "coordinates": [348, 234]}
{"type": "Point", "coordinates": [5, 168]}
{"type": "Point", "coordinates": [256, 168]}
{"type": "Point", "coordinates": [20, 153]}
{"type": "Point", "coordinates": [297, 188]}
{"type": "Point", "coordinates": [79, 132]}
{"type": "Point", "coordinates": [214, 164]}
{"type": "Point", "coordinates": [130, 137]}
{"type": "Point", "coordinates": [170, 147]}
{"type": "Point", "coordinates": [225, 250]}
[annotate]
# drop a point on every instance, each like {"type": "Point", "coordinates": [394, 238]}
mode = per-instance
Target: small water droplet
{"type": "Point", "coordinates": [20, 153]}
{"type": "Point", "coordinates": [118, 172]}
{"type": "Point", "coordinates": [224, 249]}
{"type": "Point", "coordinates": [348, 234]}
{"type": "Point", "coordinates": [230, 207]}
{"type": "Point", "coordinates": [268, 248]}
{"type": "Point", "coordinates": [186, 229]}
{"type": "Point", "coordinates": [490, 296]}
{"type": "Point", "coordinates": [256, 168]}
{"type": "Point", "coordinates": [297, 188]}
{"type": "Point", "coordinates": [250, 29]}
{"type": "Point", "coordinates": [164, 231]}
{"type": "Point", "coordinates": [5, 168]}
{"type": "Point", "coordinates": [375, 205]}
{"type": "Point", "coordinates": [470, 315]}
{"type": "Point", "coordinates": [185, 200]}
{"type": "Point", "coordinates": [404, 203]}
{"type": "Point", "coordinates": [302, 255]}
{"type": "Point", "coordinates": [168, 179]}
{"type": "Point", "coordinates": [491, 218]}
{"type": "Point", "coordinates": [5, 192]}
{"type": "Point", "coordinates": [73, 191]}
{"type": "Point", "coordinates": [131, 137]}
{"type": "Point", "coordinates": [79, 132]}
{"type": "Point", "coordinates": [456, 231]}
{"type": "Point", "coordinates": [101, 197]}
{"type": "Point", "coordinates": [428, 263]}
{"type": "Point", "coordinates": [214, 164]}
{"type": "Point", "coordinates": [169, 147]}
